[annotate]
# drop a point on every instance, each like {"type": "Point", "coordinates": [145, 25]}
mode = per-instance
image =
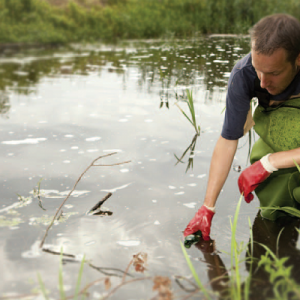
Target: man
{"type": "Point", "coordinates": [269, 72]}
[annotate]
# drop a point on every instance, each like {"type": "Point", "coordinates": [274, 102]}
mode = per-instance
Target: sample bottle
{"type": "Point", "coordinates": [192, 239]}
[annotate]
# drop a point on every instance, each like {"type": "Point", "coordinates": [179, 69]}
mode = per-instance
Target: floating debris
{"type": "Point", "coordinates": [6, 222]}
{"type": "Point", "coordinates": [95, 210]}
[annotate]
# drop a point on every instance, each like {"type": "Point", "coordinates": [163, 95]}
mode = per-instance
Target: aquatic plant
{"type": "Point", "coordinates": [194, 273]}
{"type": "Point", "coordinates": [61, 281]}
{"type": "Point", "coordinates": [278, 274]}
{"type": "Point", "coordinates": [190, 102]}
{"type": "Point", "coordinates": [284, 287]}
{"type": "Point", "coordinates": [161, 284]}
{"type": "Point", "coordinates": [190, 148]}
{"type": "Point", "coordinates": [235, 291]}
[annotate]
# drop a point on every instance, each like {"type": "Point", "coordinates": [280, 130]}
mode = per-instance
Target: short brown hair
{"type": "Point", "coordinates": [277, 31]}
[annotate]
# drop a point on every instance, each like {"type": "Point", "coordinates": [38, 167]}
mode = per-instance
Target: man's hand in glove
{"type": "Point", "coordinates": [201, 221]}
{"type": "Point", "coordinates": [251, 177]}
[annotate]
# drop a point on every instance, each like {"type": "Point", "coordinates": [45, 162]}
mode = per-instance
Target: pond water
{"type": "Point", "coordinates": [61, 109]}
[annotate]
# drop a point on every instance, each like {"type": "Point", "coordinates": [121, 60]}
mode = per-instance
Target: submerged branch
{"type": "Point", "coordinates": [84, 290]}
{"type": "Point", "coordinates": [123, 283]}
{"type": "Point", "coordinates": [104, 270]}
{"type": "Point", "coordinates": [67, 197]}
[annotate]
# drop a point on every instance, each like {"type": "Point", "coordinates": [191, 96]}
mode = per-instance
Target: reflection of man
{"type": "Point", "coordinates": [269, 72]}
{"type": "Point", "coordinates": [279, 237]}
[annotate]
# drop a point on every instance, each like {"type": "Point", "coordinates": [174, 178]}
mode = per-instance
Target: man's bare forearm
{"type": "Point", "coordinates": [285, 159]}
{"type": "Point", "coordinates": [219, 169]}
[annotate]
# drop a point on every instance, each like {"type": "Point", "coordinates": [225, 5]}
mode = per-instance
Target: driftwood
{"type": "Point", "coordinates": [93, 164]}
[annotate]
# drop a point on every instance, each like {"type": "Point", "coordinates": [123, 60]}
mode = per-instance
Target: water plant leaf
{"type": "Point", "coordinates": [298, 167]}
{"type": "Point", "coordinates": [290, 210]}
{"type": "Point", "coordinates": [79, 278]}
{"type": "Point", "coordinates": [190, 102]}
{"type": "Point", "coordinates": [42, 286]}
{"type": "Point", "coordinates": [194, 273]}
{"type": "Point", "coordinates": [235, 253]}
{"type": "Point", "coordinates": [184, 114]}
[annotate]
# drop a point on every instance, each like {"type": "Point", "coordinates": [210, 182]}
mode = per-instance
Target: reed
{"type": "Point", "coordinates": [192, 119]}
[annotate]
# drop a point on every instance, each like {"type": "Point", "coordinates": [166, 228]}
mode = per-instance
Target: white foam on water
{"type": "Point", "coordinates": [93, 139]}
{"type": "Point", "coordinates": [35, 251]}
{"type": "Point", "coordinates": [117, 188]}
{"type": "Point", "coordinates": [129, 243]}
{"type": "Point", "coordinates": [179, 193]}
{"type": "Point", "coordinates": [201, 176]}
{"type": "Point", "coordinates": [190, 205]}
{"type": "Point", "coordinates": [29, 141]}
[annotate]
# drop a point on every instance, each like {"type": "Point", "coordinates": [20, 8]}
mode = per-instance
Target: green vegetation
{"type": "Point", "coordinates": [190, 102]}
{"type": "Point", "coordinates": [36, 21]}
{"type": "Point", "coordinates": [277, 270]}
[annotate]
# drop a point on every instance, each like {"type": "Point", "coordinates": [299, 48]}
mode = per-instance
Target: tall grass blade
{"type": "Point", "coordinates": [185, 114]}
{"type": "Point", "coordinates": [290, 210]}
{"type": "Point", "coordinates": [195, 275]}
{"type": "Point", "coordinates": [296, 165]}
{"type": "Point", "coordinates": [250, 261]}
{"type": "Point", "coordinates": [235, 255]}
{"type": "Point", "coordinates": [42, 286]}
{"type": "Point", "coordinates": [79, 278]}
{"type": "Point", "coordinates": [190, 103]}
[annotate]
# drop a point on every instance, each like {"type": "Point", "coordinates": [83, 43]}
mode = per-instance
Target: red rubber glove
{"type": "Point", "coordinates": [251, 177]}
{"type": "Point", "coordinates": [202, 222]}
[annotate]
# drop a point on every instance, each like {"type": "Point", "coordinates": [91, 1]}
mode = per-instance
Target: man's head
{"type": "Point", "coordinates": [275, 49]}
{"type": "Point", "coordinates": [274, 32]}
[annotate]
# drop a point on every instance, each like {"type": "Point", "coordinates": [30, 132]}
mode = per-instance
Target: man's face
{"type": "Point", "coordinates": [274, 71]}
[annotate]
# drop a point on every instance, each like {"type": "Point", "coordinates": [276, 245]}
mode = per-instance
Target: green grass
{"type": "Point", "coordinates": [194, 273]}
{"type": "Point", "coordinates": [61, 281]}
{"type": "Point", "coordinates": [35, 21]}
{"type": "Point", "coordinates": [280, 276]}
{"type": "Point", "coordinates": [190, 102]}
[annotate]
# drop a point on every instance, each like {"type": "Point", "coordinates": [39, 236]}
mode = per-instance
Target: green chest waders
{"type": "Point", "coordinates": [279, 130]}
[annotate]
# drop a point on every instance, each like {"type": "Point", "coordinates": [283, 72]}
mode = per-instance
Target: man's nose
{"type": "Point", "coordinates": [264, 82]}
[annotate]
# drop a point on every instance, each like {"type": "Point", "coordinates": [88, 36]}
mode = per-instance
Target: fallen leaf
{"type": "Point", "coordinates": [107, 283]}
{"type": "Point", "coordinates": [162, 285]}
{"type": "Point", "coordinates": [139, 261]}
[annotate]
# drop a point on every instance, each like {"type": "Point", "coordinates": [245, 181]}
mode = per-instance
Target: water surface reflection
{"type": "Point", "coordinates": [63, 108]}
{"type": "Point", "coordinates": [269, 238]}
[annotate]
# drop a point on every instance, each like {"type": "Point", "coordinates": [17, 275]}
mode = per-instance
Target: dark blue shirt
{"type": "Point", "coordinates": [241, 89]}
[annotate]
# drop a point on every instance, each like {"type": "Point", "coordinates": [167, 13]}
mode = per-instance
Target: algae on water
{"type": "Point", "coordinates": [7, 222]}
{"type": "Point", "coordinates": [46, 220]}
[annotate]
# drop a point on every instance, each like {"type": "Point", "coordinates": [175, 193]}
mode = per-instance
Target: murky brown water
{"type": "Point", "coordinates": [61, 109]}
